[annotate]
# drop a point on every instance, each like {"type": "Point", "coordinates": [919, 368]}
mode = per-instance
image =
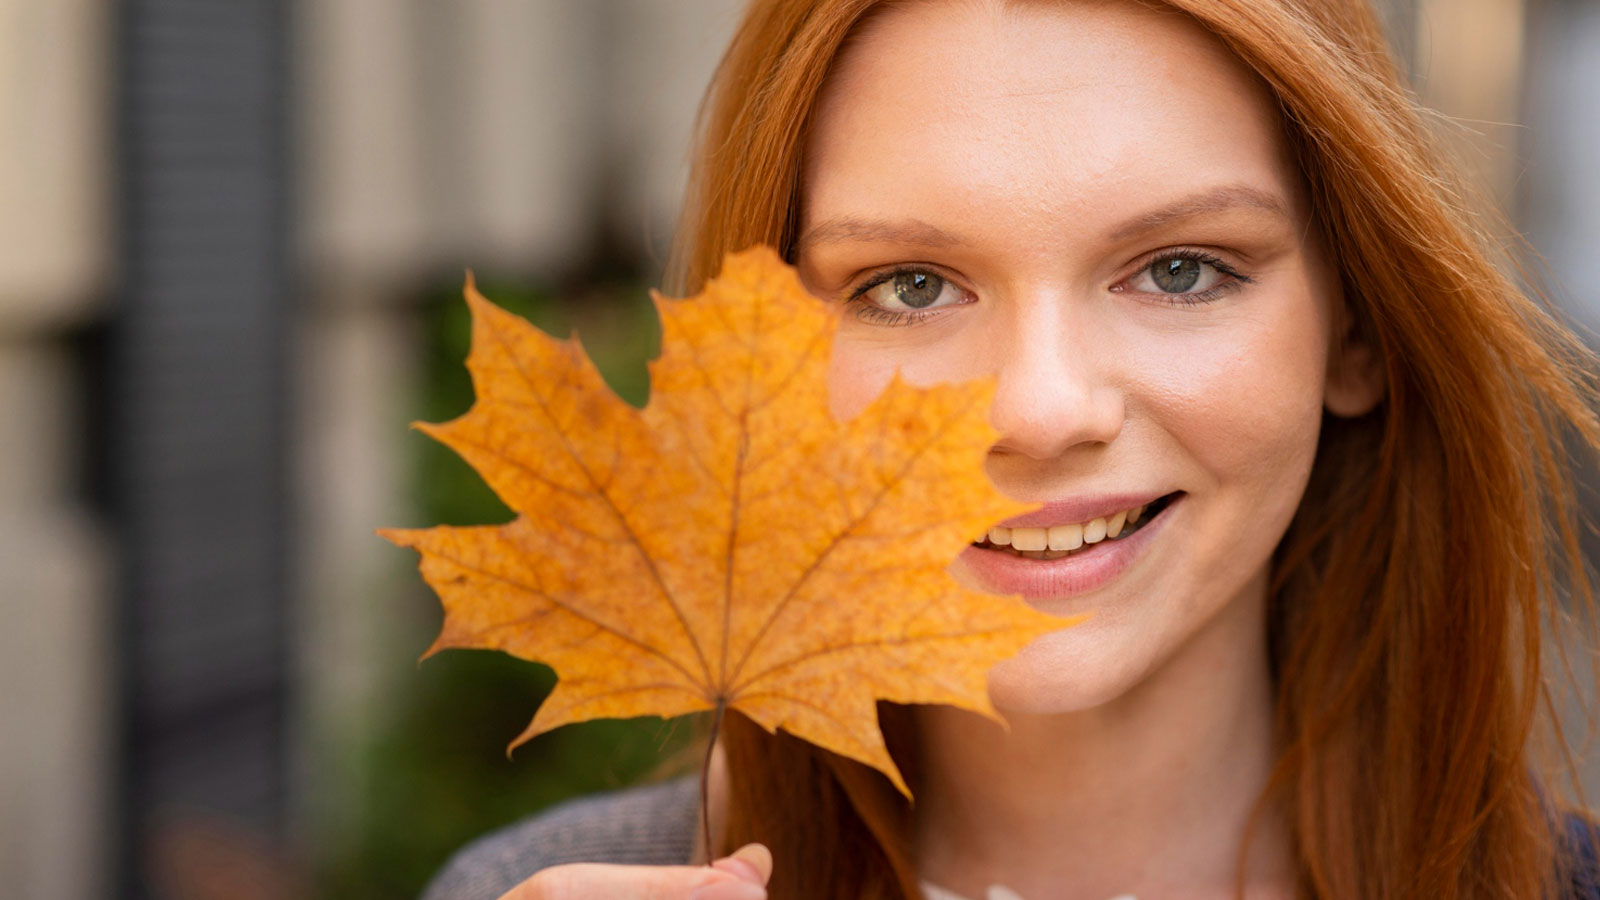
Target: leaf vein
{"type": "Point", "coordinates": [650, 564]}
{"type": "Point", "coordinates": [565, 607]}
{"type": "Point", "coordinates": [816, 563]}
{"type": "Point", "coordinates": [791, 662]}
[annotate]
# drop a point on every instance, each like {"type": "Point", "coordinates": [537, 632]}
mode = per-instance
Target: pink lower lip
{"type": "Point", "coordinates": [1001, 572]}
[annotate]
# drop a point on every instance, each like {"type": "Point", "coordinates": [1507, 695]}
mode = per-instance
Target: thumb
{"type": "Point", "coordinates": [606, 881]}
{"type": "Point", "coordinates": [752, 863]}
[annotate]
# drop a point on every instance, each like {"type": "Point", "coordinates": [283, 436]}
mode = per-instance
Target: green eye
{"type": "Point", "coordinates": [917, 289]}
{"type": "Point", "coordinates": [1185, 276]}
{"type": "Point", "coordinates": [1175, 275]}
{"type": "Point", "coordinates": [904, 296]}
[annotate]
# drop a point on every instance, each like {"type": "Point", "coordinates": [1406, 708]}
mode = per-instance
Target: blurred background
{"type": "Point", "coordinates": [232, 239]}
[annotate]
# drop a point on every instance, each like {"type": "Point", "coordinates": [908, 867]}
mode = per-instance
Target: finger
{"type": "Point", "coordinates": [605, 881]}
{"type": "Point", "coordinates": [752, 862]}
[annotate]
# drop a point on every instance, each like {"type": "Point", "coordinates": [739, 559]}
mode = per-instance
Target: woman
{"type": "Point", "coordinates": [1222, 281]}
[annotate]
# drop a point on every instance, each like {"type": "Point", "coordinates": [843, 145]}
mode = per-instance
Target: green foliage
{"type": "Point", "coordinates": [436, 776]}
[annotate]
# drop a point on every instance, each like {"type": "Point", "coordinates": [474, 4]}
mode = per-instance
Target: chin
{"type": "Point", "coordinates": [1066, 672]}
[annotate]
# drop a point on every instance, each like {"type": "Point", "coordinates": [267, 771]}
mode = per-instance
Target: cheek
{"type": "Point", "coordinates": [855, 376]}
{"type": "Point", "coordinates": [865, 357]}
{"type": "Point", "coordinates": [1240, 410]}
{"type": "Point", "coordinates": [1243, 403]}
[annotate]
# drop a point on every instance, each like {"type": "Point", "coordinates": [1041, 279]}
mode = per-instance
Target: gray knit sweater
{"type": "Point", "coordinates": [651, 825]}
{"type": "Point", "coordinates": [655, 825]}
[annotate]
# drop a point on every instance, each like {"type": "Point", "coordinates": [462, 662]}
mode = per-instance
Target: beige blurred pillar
{"type": "Point", "coordinates": [1470, 67]}
{"type": "Point", "coordinates": [529, 105]}
{"type": "Point", "coordinates": [54, 244]}
{"type": "Point", "coordinates": [56, 712]}
{"type": "Point", "coordinates": [363, 235]}
{"type": "Point", "coordinates": [442, 135]}
{"type": "Point", "coordinates": [55, 697]}
{"type": "Point", "coordinates": [359, 167]}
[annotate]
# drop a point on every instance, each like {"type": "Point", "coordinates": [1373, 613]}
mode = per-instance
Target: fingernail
{"type": "Point", "coordinates": [729, 890]}
{"type": "Point", "coordinates": [752, 862]}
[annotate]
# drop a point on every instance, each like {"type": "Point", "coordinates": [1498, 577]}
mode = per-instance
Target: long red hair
{"type": "Point", "coordinates": [1436, 538]}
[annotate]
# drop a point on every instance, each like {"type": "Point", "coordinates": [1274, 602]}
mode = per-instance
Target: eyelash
{"type": "Point", "coordinates": [1195, 254]}
{"type": "Point", "coordinates": [880, 316]}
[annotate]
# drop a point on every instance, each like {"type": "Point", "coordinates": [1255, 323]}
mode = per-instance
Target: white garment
{"type": "Point", "coordinates": [995, 892]}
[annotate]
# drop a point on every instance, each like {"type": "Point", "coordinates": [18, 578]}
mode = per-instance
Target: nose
{"type": "Point", "coordinates": [1053, 391]}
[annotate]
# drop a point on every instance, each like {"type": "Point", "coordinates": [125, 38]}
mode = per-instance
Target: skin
{"type": "Point", "coordinates": [1039, 158]}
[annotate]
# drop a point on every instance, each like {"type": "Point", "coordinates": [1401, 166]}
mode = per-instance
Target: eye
{"type": "Point", "coordinates": [903, 296]}
{"type": "Point", "coordinates": [1177, 275]}
{"type": "Point", "coordinates": [1185, 276]}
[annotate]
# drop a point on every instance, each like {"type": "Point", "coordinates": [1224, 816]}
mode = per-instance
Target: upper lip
{"type": "Point", "coordinates": [1080, 509]}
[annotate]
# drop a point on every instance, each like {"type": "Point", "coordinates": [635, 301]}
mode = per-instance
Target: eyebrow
{"type": "Point", "coordinates": [1217, 199]}
{"type": "Point", "coordinates": [915, 231]}
{"type": "Point", "coordinates": [853, 228]}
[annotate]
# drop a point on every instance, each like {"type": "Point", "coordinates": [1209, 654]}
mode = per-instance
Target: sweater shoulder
{"type": "Point", "coordinates": [648, 825]}
{"type": "Point", "coordinates": [1580, 861]}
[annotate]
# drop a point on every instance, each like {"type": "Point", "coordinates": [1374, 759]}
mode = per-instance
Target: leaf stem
{"type": "Point", "coordinates": [705, 776]}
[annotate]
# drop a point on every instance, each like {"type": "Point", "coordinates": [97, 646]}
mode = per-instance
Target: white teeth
{"type": "Point", "coordinates": [1057, 540]}
{"type": "Point", "coordinates": [1065, 537]}
{"type": "Point", "coordinates": [1094, 531]}
{"type": "Point", "coordinates": [1028, 538]}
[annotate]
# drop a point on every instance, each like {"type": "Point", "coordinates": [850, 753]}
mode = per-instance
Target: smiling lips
{"type": "Point", "coordinates": [1057, 541]}
{"type": "Point", "coordinates": [1102, 552]}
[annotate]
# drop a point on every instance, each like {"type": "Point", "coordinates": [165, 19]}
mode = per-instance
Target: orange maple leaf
{"type": "Point", "coordinates": [731, 545]}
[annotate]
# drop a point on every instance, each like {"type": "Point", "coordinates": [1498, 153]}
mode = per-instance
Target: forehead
{"type": "Point", "coordinates": [1052, 111]}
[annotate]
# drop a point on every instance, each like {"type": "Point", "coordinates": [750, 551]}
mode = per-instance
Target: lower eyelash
{"type": "Point", "coordinates": [1208, 295]}
{"type": "Point", "coordinates": [879, 316]}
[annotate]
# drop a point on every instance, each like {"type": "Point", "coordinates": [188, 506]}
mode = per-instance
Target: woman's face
{"type": "Point", "coordinates": [1093, 202]}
